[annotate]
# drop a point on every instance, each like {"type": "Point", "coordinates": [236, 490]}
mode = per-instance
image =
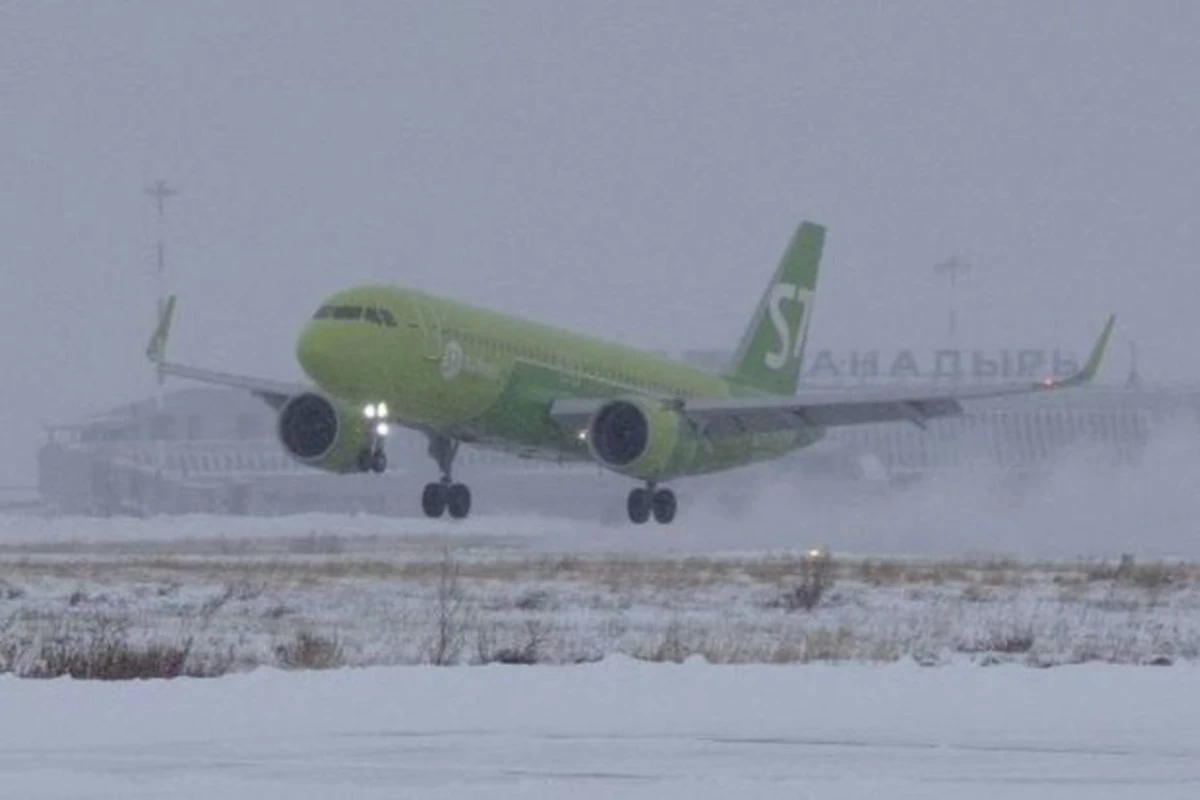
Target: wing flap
{"type": "Point", "coordinates": [762, 415]}
{"type": "Point", "coordinates": [862, 413]}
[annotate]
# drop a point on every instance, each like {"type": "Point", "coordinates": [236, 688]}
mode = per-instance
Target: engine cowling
{"type": "Point", "coordinates": [637, 437]}
{"type": "Point", "coordinates": [321, 433]}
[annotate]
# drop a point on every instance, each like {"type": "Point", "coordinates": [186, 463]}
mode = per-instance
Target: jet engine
{"type": "Point", "coordinates": [639, 438]}
{"type": "Point", "coordinates": [321, 433]}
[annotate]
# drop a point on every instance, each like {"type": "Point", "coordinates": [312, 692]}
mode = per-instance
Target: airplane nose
{"type": "Point", "coordinates": [312, 352]}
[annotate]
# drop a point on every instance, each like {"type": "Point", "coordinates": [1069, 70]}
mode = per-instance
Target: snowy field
{"type": "Point", "coordinates": [951, 571]}
{"type": "Point", "coordinates": [953, 644]}
{"type": "Point", "coordinates": [618, 728]}
{"type": "Point", "coordinates": [206, 596]}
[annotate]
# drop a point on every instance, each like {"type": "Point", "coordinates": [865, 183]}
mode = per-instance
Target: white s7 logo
{"type": "Point", "coordinates": [789, 348]}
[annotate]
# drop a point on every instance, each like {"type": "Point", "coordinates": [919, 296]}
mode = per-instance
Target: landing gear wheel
{"type": "Point", "coordinates": [433, 500]}
{"type": "Point", "coordinates": [638, 505]}
{"type": "Point", "coordinates": [446, 495]}
{"type": "Point", "coordinates": [663, 505]}
{"type": "Point", "coordinates": [372, 460]}
{"type": "Point", "coordinates": [458, 500]}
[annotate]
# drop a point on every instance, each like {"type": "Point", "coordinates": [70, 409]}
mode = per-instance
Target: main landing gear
{"type": "Point", "coordinates": [445, 495]}
{"type": "Point", "coordinates": [646, 501]}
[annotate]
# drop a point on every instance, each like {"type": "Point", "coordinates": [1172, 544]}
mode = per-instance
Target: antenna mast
{"type": "Point", "coordinates": [952, 267]}
{"type": "Point", "coordinates": [160, 192]}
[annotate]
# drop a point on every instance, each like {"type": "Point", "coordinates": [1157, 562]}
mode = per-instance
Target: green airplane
{"type": "Point", "coordinates": [381, 356]}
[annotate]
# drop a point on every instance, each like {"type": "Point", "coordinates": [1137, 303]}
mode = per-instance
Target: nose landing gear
{"type": "Point", "coordinates": [374, 458]}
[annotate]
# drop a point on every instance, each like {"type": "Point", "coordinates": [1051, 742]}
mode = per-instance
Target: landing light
{"type": "Point", "coordinates": [381, 429]}
{"type": "Point", "coordinates": [376, 411]}
{"type": "Point", "coordinates": [583, 435]}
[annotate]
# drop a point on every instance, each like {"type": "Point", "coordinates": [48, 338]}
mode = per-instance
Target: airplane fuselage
{"type": "Point", "coordinates": [483, 377]}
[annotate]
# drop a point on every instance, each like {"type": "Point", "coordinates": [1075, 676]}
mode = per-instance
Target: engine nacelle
{"type": "Point", "coordinates": [320, 433]}
{"type": "Point", "coordinates": [637, 437]}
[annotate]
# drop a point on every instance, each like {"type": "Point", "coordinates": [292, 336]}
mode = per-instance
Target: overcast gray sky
{"type": "Point", "coordinates": [628, 169]}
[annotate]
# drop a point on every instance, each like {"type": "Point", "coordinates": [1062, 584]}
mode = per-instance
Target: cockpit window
{"type": "Point", "coordinates": [376, 316]}
{"type": "Point", "coordinates": [347, 312]}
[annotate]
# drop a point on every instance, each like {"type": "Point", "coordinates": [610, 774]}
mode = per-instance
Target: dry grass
{"type": "Point", "coordinates": [1008, 642]}
{"type": "Point", "coordinates": [614, 572]}
{"type": "Point", "coordinates": [308, 650]}
{"type": "Point", "coordinates": [313, 560]}
{"type": "Point", "coordinates": [816, 577]}
{"type": "Point", "coordinates": [680, 641]}
{"type": "Point", "coordinates": [527, 649]}
{"type": "Point", "coordinates": [103, 647]}
{"type": "Point", "coordinates": [323, 555]}
{"type": "Point", "coordinates": [452, 607]}
{"type": "Point", "coordinates": [451, 614]}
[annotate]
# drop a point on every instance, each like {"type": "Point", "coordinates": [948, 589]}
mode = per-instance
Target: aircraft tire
{"type": "Point", "coordinates": [638, 505]}
{"type": "Point", "coordinates": [433, 500]}
{"type": "Point", "coordinates": [379, 461]}
{"type": "Point", "coordinates": [458, 500]}
{"type": "Point", "coordinates": [663, 504]}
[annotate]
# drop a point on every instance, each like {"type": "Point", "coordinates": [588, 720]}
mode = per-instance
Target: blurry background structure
{"type": "Point", "coordinates": [214, 450]}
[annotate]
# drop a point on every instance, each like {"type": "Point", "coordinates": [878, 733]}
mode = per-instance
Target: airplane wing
{"type": "Point", "coordinates": [718, 415]}
{"type": "Point", "coordinates": [275, 393]}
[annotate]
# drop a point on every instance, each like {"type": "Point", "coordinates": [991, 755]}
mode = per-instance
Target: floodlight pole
{"type": "Point", "coordinates": [1134, 380]}
{"type": "Point", "coordinates": [160, 192]}
{"type": "Point", "coordinates": [952, 267]}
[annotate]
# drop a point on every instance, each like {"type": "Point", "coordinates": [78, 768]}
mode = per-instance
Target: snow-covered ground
{"type": "Point", "coordinates": [234, 594]}
{"type": "Point", "coordinates": [916, 675]}
{"type": "Point", "coordinates": [618, 728]}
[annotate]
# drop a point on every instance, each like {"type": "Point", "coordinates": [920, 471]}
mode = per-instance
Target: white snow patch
{"type": "Point", "coordinates": [618, 728]}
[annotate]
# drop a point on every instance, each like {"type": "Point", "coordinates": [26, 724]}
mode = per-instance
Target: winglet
{"type": "Point", "coordinates": [1092, 366]}
{"type": "Point", "coordinates": [157, 347]}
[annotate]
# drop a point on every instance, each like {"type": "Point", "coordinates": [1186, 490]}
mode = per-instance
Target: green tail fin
{"type": "Point", "coordinates": [772, 348]}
